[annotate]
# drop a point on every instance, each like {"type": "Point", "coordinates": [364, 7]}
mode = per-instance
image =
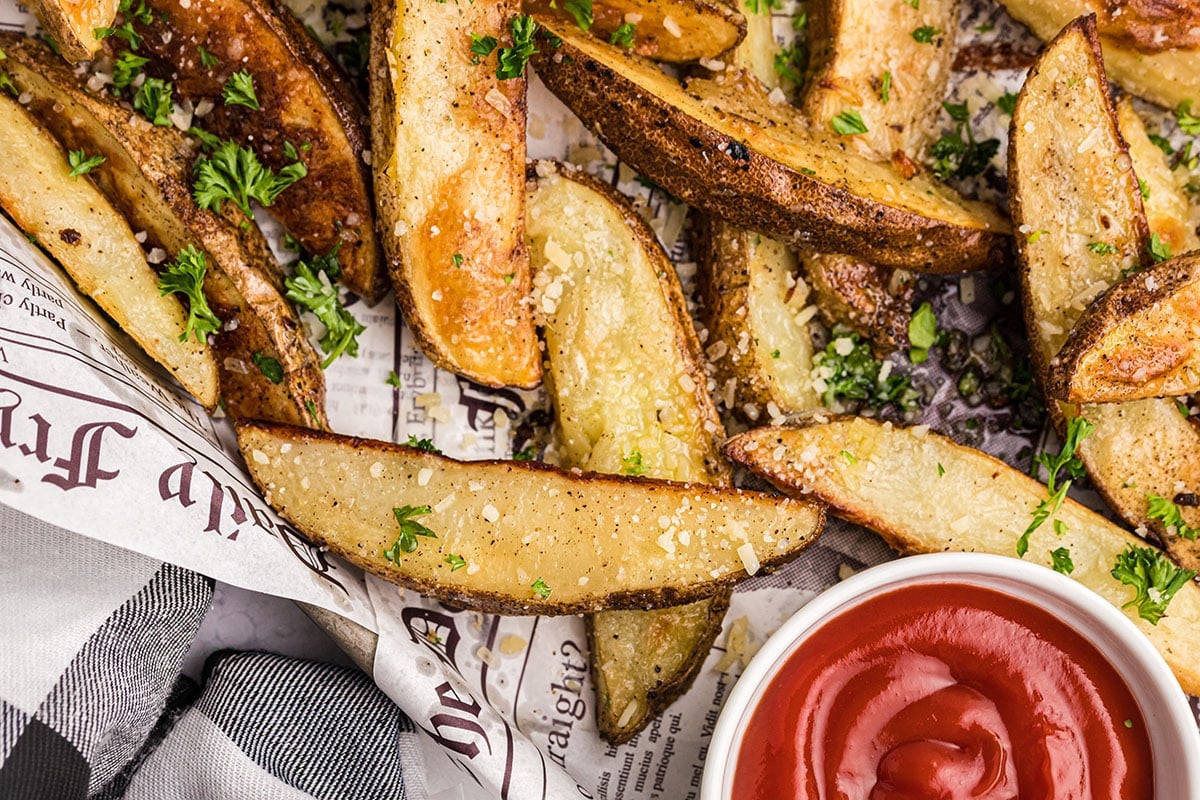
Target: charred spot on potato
{"type": "Point", "coordinates": [69, 235]}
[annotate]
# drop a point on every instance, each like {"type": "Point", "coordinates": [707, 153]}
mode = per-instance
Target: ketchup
{"type": "Point", "coordinates": [945, 692]}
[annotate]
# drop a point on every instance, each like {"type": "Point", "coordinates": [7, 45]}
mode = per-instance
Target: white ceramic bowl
{"type": "Point", "coordinates": [1174, 738]}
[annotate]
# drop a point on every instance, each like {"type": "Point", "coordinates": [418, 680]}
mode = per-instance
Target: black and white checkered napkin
{"type": "Point", "coordinates": [92, 703]}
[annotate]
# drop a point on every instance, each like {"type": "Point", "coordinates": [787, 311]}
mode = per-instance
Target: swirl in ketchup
{"type": "Point", "coordinates": [945, 692]}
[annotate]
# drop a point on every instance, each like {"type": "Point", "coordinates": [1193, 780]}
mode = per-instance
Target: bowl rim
{"type": "Point", "coordinates": [1179, 726]}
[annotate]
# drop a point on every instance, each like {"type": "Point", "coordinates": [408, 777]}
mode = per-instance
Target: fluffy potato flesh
{"type": "Point", "coordinates": [578, 538]}
{"type": "Point", "coordinates": [73, 24]}
{"type": "Point", "coordinates": [79, 227]}
{"type": "Point", "coordinates": [672, 31]}
{"type": "Point", "coordinates": [1072, 184]}
{"type": "Point", "coordinates": [630, 396]}
{"type": "Point", "coordinates": [875, 488]}
{"type": "Point", "coordinates": [1138, 340]}
{"type": "Point", "coordinates": [303, 100]}
{"type": "Point", "coordinates": [726, 149]}
{"type": "Point", "coordinates": [448, 142]}
{"type": "Point", "coordinates": [146, 175]}
{"type": "Point", "coordinates": [1161, 72]}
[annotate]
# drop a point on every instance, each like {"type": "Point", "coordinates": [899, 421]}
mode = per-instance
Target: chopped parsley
{"type": "Point", "coordinates": [850, 457]}
{"type": "Point", "coordinates": [234, 173]}
{"type": "Point", "coordinates": [1166, 512]}
{"type": "Point", "coordinates": [581, 10]}
{"type": "Point", "coordinates": [790, 62]}
{"type": "Point", "coordinates": [632, 464]}
{"type": "Point", "coordinates": [849, 123]}
{"type": "Point", "coordinates": [1007, 103]}
{"type": "Point", "coordinates": [124, 31]}
{"type": "Point", "coordinates": [207, 58]}
{"type": "Point", "coordinates": [210, 143]}
{"type": "Point", "coordinates": [1162, 144]}
{"type": "Point", "coordinates": [81, 163]}
{"type": "Point", "coordinates": [526, 453]}
{"type": "Point", "coordinates": [623, 35]}
{"type": "Point", "coordinates": [186, 277]}
{"type": "Point", "coordinates": [926, 34]}
{"type": "Point", "coordinates": [512, 60]}
{"type": "Point", "coordinates": [1143, 189]}
{"type": "Point", "coordinates": [310, 287]}
{"type": "Point", "coordinates": [1078, 429]}
{"type": "Point", "coordinates": [410, 529]}
{"type": "Point", "coordinates": [775, 353]}
{"type": "Point", "coordinates": [1153, 577]}
{"type": "Point", "coordinates": [955, 156]}
{"type": "Point", "coordinates": [239, 91]}
{"type": "Point", "coordinates": [922, 333]}
{"type": "Point", "coordinates": [1035, 236]}
{"type": "Point", "coordinates": [482, 47]}
{"type": "Point", "coordinates": [154, 100]}
{"type": "Point", "coordinates": [846, 372]}
{"type": "Point", "coordinates": [1060, 559]}
{"type": "Point", "coordinates": [1188, 123]}
{"type": "Point", "coordinates": [540, 588]}
{"type": "Point", "coordinates": [885, 87]}
{"type": "Point", "coordinates": [393, 379]}
{"type": "Point", "coordinates": [422, 444]}
{"type": "Point", "coordinates": [508, 277]}
{"type": "Point", "coordinates": [269, 367]}
{"type": "Point", "coordinates": [763, 6]}
{"type": "Point", "coordinates": [457, 260]}
{"type": "Point", "coordinates": [126, 68]}
{"type": "Point", "coordinates": [1102, 248]}
{"type": "Point", "coordinates": [7, 85]}
{"type": "Point", "coordinates": [1159, 250]}
{"type": "Point", "coordinates": [1041, 513]}
{"type": "Point", "coordinates": [456, 562]}
{"type": "Point", "coordinates": [941, 470]}
{"type": "Point", "coordinates": [143, 15]}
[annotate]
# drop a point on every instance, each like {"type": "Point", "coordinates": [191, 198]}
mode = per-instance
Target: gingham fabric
{"type": "Point", "coordinates": [92, 703]}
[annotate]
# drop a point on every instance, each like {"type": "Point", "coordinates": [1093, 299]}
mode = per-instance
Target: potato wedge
{"type": "Point", "coordinates": [1137, 340]}
{"type": "Point", "coordinates": [873, 301]}
{"type": "Point", "coordinates": [1163, 74]}
{"type": "Point", "coordinates": [857, 45]}
{"type": "Point", "coordinates": [874, 486]}
{"type": "Point", "coordinates": [146, 175]}
{"type": "Point", "coordinates": [517, 522]}
{"type": "Point", "coordinates": [448, 139]}
{"type": "Point", "coordinates": [83, 232]}
{"type": "Point", "coordinates": [671, 31]}
{"type": "Point", "coordinates": [625, 374]}
{"type": "Point", "coordinates": [710, 145]}
{"type": "Point", "coordinates": [73, 23]}
{"type": "Point", "coordinates": [1064, 144]}
{"type": "Point", "coordinates": [304, 100]}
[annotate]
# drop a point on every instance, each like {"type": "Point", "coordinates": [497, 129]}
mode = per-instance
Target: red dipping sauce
{"type": "Point", "coordinates": [945, 692]}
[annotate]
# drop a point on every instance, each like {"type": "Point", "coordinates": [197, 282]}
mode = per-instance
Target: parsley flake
{"type": "Point", "coordinates": [850, 457]}
{"type": "Point", "coordinates": [849, 123]}
{"type": "Point", "coordinates": [310, 287]}
{"type": "Point", "coordinates": [269, 367]}
{"type": "Point", "coordinates": [526, 453]}
{"type": "Point", "coordinates": [540, 588]}
{"type": "Point", "coordinates": [926, 33]}
{"type": "Point", "coordinates": [1166, 512]}
{"type": "Point", "coordinates": [1078, 429]}
{"type": "Point", "coordinates": [623, 35]}
{"type": "Point", "coordinates": [1188, 123]}
{"type": "Point", "coordinates": [581, 10]}
{"type": "Point", "coordinates": [632, 464]}
{"type": "Point", "coordinates": [239, 91]}
{"type": "Point", "coordinates": [456, 562]}
{"type": "Point", "coordinates": [186, 277]}
{"type": "Point", "coordinates": [154, 100]}
{"type": "Point", "coordinates": [1102, 248]}
{"type": "Point", "coordinates": [1060, 559]}
{"type": "Point", "coordinates": [847, 371]}
{"type": "Point", "coordinates": [922, 333]}
{"type": "Point", "coordinates": [955, 156]}
{"type": "Point", "coordinates": [126, 68]}
{"type": "Point", "coordinates": [1154, 578]}
{"type": "Point", "coordinates": [207, 58]}
{"type": "Point", "coordinates": [1007, 103]}
{"type": "Point", "coordinates": [234, 173]}
{"type": "Point", "coordinates": [885, 87]}
{"type": "Point", "coordinates": [1159, 250]}
{"type": "Point", "coordinates": [512, 60]}
{"type": "Point", "coordinates": [81, 163]}
{"type": "Point", "coordinates": [1143, 189]}
{"type": "Point", "coordinates": [1162, 143]}
{"type": "Point", "coordinates": [393, 379]}
{"type": "Point", "coordinates": [457, 260]}
{"type": "Point", "coordinates": [410, 529]}
{"type": "Point", "coordinates": [941, 470]}
{"type": "Point", "coordinates": [482, 47]}
{"type": "Point", "coordinates": [422, 444]}
{"type": "Point", "coordinates": [124, 31]}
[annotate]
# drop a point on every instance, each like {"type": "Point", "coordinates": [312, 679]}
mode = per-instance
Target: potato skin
{"type": "Point", "coordinates": [705, 164]}
{"type": "Point", "coordinates": [305, 101]}
{"type": "Point", "coordinates": [73, 24]}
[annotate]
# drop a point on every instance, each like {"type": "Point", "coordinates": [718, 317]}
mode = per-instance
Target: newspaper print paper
{"type": "Point", "coordinates": [94, 438]}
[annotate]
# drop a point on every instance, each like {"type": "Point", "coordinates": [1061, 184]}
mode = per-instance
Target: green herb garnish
{"type": "Point", "coordinates": [126, 69]}
{"type": "Point", "coordinates": [632, 464]}
{"type": "Point", "coordinates": [312, 292]}
{"type": "Point", "coordinates": [1153, 577]}
{"type": "Point", "coordinates": [540, 588]}
{"type": "Point", "coordinates": [81, 163]}
{"type": "Point", "coordinates": [269, 367]}
{"type": "Point", "coordinates": [1060, 559]}
{"type": "Point", "coordinates": [512, 60]}
{"type": "Point", "coordinates": [153, 99]}
{"type": "Point", "coordinates": [623, 35]}
{"type": "Point", "coordinates": [926, 33]}
{"type": "Point", "coordinates": [422, 444]}
{"type": "Point", "coordinates": [234, 173]}
{"type": "Point", "coordinates": [849, 123]}
{"type": "Point", "coordinates": [1166, 512]}
{"type": "Point", "coordinates": [955, 156]}
{"type": "Point", "coordinates": [239, 91]}
{"type": "Point", "coordinates": [410, 529]}
{"type": "Point", "coordinates": [922, 333]}
{"type": "Point", "coordinates": [455, 562]}
{"type": "Point", "coordinates": [186, 277]}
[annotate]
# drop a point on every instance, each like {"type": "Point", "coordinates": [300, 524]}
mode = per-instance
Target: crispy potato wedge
{"type": "Point", "coordinates": [448, 139]}
{"type": "Point", "coordinates": [756, 53]}
{"type": "Point", "coordinates": [671, 31]}
{"type": "Point", "coordinates": [871, 300]}
{"type": "Point", "coordinates": [515, 522]}
{"type": "Point", "coordinates": [725, 148]}
{"type": "Point", "coordinates": [875, 488]}
{"type": "Point", "coordinates": [73, 24]}
{"type": "Point", "coordinates": [1064, 144]}
{"type": "Point", "coordinates": [91, 240]}
{"type": "Point", "coordinates": [1137, 340]}
{"type": "Point", "coordinates": [304, 100]}
{"type": "Point", "coordinates": [1168, 212]}
{"type": "Point", "coordinates": [855, 43]}
{"type": "Point", "coordinates": [146, 175]}
{"type": "Point", "coordinates": [1144, 60]}
{"type": "Point", "coordinates": [625, 374]}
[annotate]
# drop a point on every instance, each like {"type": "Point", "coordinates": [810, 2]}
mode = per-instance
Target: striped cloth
{"type": "Point", "coordinates": [93, 705]}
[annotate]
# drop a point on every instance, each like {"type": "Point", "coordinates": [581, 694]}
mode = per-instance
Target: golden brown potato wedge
{"type": "Point", "coordinates": [1064, 144]}
{"type": "Point", "coordinates": [146, 175]}
{"type": "Point", "coordinates": [625, 374]}
{"type": "Point", "coordinates": [908, 485]}
{"type": "Point", "coordinates": [516, 525]}
{"type": "Point", "coordinates": [1168, 212]}
{"type": "Point", "coordinates": [710, 145]}
{"type": "Point", "coordinates": [1139, 339]}
{"type": "Point", "coordinates": [304, 100]}
{"type": "Point", "coordinates": [68, 216]}
{"type": "Point", "coordinates": [865, 58]}
{"type": "Point", "coordinates": [756, 53]}
{"type": "Point", "coordinates": [873, 301]}
{"type": "Point", "coordinates": [671, 31]}
{"type": "Point", "coordinates": [73, 23]}
{"type": "Point", "coordinates": [448, 138]}
{"type": "Point", "coordinates": [1145, 60]}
